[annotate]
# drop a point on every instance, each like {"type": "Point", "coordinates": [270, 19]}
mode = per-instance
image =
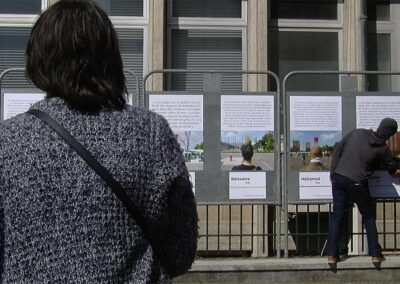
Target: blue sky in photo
{"type": "Point", "coordinates": [196, 137]}
{"type": "Point", "coordinates": [324, 137]}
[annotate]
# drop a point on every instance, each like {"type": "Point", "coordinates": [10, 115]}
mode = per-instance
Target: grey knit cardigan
{"type": "Point", "coordinates": [60, 223]}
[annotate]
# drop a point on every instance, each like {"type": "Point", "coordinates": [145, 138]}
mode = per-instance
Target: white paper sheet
{"type": "Point", "coordinates": [183, 113]}
{"type": "Point", "coordinates": [315, 113]}
{"type": "Point", "coordinates": [16, 103]}
{"type": "Point", "coordinates": [370, 110]}
{"type": "Point", "coordinates": [247, 113]}
{"type": "Point", "coordinates": [315, 185]}
{"type": "Point", "coordinates": [247, 185]}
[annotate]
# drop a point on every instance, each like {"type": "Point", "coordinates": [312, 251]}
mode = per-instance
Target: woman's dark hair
{"type": "Point", "coordinates": [73, 53]}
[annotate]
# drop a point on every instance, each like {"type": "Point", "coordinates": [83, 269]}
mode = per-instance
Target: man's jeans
{"type": "Point", "coordinates": [343, 190]}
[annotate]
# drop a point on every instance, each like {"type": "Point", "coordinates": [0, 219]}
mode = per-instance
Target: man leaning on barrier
{"type": "Point", "coordinates": [354, 159]}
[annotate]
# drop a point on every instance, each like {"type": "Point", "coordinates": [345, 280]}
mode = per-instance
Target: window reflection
{"type": "Point", "coordinates": [305, 51]}
{"type": "Point", "coordinates": [127, 8]}
{"type": "Point", "coordinates": [378, 59]}
{"type": "Point", "coordinates": [378, 10]}
{"type": "Point", "coordinates": [30, 7]}
{"type": "Point", "coordinates": [207, 8]}
{"type": "Point", "coordinates": [304, 9]}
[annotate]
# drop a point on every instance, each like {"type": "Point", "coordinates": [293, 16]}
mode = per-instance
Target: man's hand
{"type": "Point", "coordinates": [396, 174]}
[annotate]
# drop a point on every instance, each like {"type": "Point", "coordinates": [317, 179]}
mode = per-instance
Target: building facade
{"type": "Point", "coordinates": [280, 36]}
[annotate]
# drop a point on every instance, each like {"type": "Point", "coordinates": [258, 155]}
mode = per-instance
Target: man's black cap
{"type": "Point", "coordinates": [387, 127]}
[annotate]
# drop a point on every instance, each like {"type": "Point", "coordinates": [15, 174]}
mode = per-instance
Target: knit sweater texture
{"type": "Point", "coordinates": [60, 222]}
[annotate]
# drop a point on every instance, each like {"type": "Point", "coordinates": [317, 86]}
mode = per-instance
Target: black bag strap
{"type": "Point", "coordinates": [94, 164]}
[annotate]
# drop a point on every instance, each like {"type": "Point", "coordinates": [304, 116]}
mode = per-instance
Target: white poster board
{"type": "Point", "coordinates": [247, 113]}
{"type": "Point", "coordinates": [370, 110]}
{"type": "Point", "coordinates": [183, 113]}
{"type": "Point", "coordinates": [316, 113]}
{"type": "Point", "coordinates": [315, 185]}
{"type": "Point", "coordinates": [192, 177]}
{"type": "Point", "coordinates": [247, 185]}
{"type": "Point", "coordinates": [381, 184]}
{"type": "Point", "coordinates": [16, 103]}
{"type": "Point", "coordinates": [129, 99]}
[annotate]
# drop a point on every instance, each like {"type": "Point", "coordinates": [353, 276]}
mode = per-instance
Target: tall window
{"type": "Point", "coordinates": [131, 46]}
{"type": "Point", "coordinates": [304, 35]}
{"type": "Point", "coordinates": [18, 16]}
{"type": "Point", "coordinates": [124, 8]}
{"type": "Point", "coordinates": [378, 59]}
{"type": "Point", "coordinates": [206, 34]}
{"type": "Point", "coordinates": [382, 37]}
{"type": "Point", "coordinates": [130, 20]}
{"type": "Point", "coordinates": [16, 20]}
{"type": "Point", "coordinates": [207, 50]}
{"type": "Point", "coordinates": [378, 10]}
{"type": "Point", "coordinates": [304, 10]}
{"type": "Point", "coordinates": [24, 7]}
{"type": "Point", "coordinates": [12, 54]}
{"type": "Point", "coordinates": [207, 8]}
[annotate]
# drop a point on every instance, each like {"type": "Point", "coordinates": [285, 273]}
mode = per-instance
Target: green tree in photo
{"type": "Point", "coordinates": [266, 143]}
{"type": "Point", "coordinates": [199, 146]}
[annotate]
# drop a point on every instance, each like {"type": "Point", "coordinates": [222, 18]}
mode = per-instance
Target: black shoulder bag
{"type": "Point", "coordinates": [94, 164]}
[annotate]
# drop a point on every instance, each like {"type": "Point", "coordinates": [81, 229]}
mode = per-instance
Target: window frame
{"type": "Point", "coordinates": [391, 13]}
{"type": "Point", "coordinates": [207, 23]}
{"type": "Point", "coordinates": [305, 25]}
{"type": "Point", "coordinates": [21, 20]}
{"type": "Point", "coordinates": [206, 20]}
{"type": "Point", "coordinates": [392, 28]}
{"type": "Point", "coordinates": [129, 20]}
{"type": "Point", "coordinates": [125, 22]}
{"type": "Point", "coordinates": [132, 22]}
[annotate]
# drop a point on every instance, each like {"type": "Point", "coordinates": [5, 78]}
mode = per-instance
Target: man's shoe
{"type": "Point", "coordinates": [332, 259]}
{"type": "Point", "coordinates": [378, 259]}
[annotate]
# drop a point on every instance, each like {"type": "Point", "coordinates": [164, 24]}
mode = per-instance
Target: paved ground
{"type": "Point", "coordinates": [264, 160]}
{"type": "Point", "coordinates": [292, 263]}
{"type": "Point", "coordinates": [354, 269]}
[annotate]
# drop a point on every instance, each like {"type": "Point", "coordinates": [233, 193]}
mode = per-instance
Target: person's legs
{"type": "Point", "coordinates": [340, 196]}
{"type": "Point", "coordinates": [363, 200]}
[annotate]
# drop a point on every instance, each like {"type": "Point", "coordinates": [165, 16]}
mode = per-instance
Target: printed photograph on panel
{"type": "Point", "coordinates": [247, 133]}
{"type": "Point", "coordinates": [192, 148]}
{"type": "Point", "coordinates": [185, 117]}
{"type": "Point", "coordinates": [312, 150]}
{"type": "Point", "coordinates": [247, 151]}
{"type": "Point", "coordinates": [394, 144]}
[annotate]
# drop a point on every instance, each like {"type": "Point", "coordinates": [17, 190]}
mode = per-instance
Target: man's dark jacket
{"type": "Point", "coordinates": [360, 153]}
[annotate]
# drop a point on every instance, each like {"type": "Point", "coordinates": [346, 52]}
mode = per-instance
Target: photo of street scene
{"type": "Point", "coordinates": [263, 148]}
{"type": "Point", "coordinates": [312, 150]}
{"type": "Point", "coordinates": [192, 147]}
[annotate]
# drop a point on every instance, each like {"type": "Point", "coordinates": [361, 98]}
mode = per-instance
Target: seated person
{"type": "Point", "coordinates": [316, 162]}
{"type": "Point", "coordinates": [247, 154]}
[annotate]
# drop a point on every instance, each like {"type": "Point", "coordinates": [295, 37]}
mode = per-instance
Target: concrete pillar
{"type": "Point", "coordinates": [257, 59]}
{"type": "Point", "coordinates": [157, 42]}
{"type": "Point", "coordinates": [354, 60]}
{"type": "Point", "coordinates": [353, 38]}
{"type": "Point", "coordinates": [257, 44]}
